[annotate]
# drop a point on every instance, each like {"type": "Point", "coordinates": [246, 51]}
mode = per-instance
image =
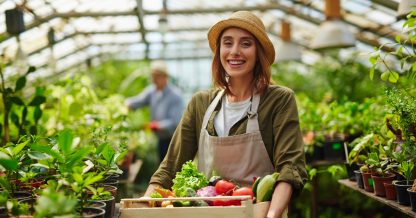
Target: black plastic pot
{"type": "Point", "coordinates": [3, 212]}
{"type": "Point", "coordinates": [96, 204]}
{"type": "Point", "coordinates": [403, 197]}
{"type": "Point", "coordinates": [110, 207]}
{"type": "Point", "coordinates": [359, 179]}
{"type": "Point", "coordinates": [350, 170]}
{"type": "Point", "coordinates": [334, 150]}
{"type": "Point", "coordinates": [412, 196]}
{"type": "Point", "coordinates": [91, 212]}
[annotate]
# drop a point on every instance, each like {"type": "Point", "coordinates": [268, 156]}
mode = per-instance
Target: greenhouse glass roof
{"type": "Point", "coordinates": [96, 30]}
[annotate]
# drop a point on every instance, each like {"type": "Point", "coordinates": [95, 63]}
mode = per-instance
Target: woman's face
{"type": "Point", "coordinates": [238, 52]}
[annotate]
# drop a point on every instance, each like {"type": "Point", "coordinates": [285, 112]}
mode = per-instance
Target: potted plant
{"type": "Point", "coordinates": [358, 155]}
{"type": "Point", "coordinates": [380, 172]}
{"type": "Point", "coordinates": [412, 195]}
{"type": "Point", "coordinates": [53, 203]}
{"type": "Point", "coordinates": [405, 169]}
{"type": "Point", "coordinates": [367, 180]}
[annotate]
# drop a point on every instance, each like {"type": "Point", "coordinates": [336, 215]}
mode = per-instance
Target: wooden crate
{"type": "Point", "coordinates": [132, 208]}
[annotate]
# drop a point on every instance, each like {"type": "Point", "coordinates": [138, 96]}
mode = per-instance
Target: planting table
{"type": "Point", "coordinates": [404, 209]}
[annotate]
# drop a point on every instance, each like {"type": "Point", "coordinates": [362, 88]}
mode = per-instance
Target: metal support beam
{"type": "Point", "coordinates": [387, 3]}
{"type": "Point", "coordinates": [139, 12]}
{"type": "Point", "coordinates": [140, 15]}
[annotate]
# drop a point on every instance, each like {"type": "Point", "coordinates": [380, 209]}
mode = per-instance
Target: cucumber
{"type": "Point", "coordinates": [256, 183]}
{"type": "Point", "coordinates": [265, 188]}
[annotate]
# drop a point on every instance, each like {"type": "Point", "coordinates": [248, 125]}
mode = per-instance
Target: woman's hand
{"type": "Point", "coordinates": [150, 189]}
{"type": "Point", "coordinates": [280, 200]}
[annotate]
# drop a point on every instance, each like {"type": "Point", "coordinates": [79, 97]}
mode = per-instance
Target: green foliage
{"type": "Point", "coordinates": [123, 77]}
{"type": "Point", "coordinates": [403, 105]}
{"type": "Point", "coordinates": [188, 177]}
{"type": "Point", "coordinates": [53, 203]}
{"type": "Point", "coordinates": [404, 52]}
{"type": "Point", "coordinates": [331, 78]}
{"type": "Point", "coordinates": [362, 146]}
{"type": "Point", "coordinates": [406, 170]}
{"type": "Point", "coordinates": [337, 119]}
{"type": "Point", "coordinates": [24, 115]}
{"type": "Point", "coordinates": [106, 157]}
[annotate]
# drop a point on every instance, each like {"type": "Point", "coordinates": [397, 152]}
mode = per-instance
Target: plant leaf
{"type": "Point", "coordinates": [20, 83]}
{"type": "Point", "coordinates": [19, 147]}
{"type": "Point", "coordinates": [385, 76]}
{"type": "Point", "coordinates": [16, 100]}
{"type": "Point", "coordinates": [31, 70]}
{"type": "Point", "coordinates": [372, 72]}
{"type": "Point", "coordinates": [37, 114]}
{"type": "Point", "coordinates": [65, 141]}
{"type": "Point", "coordinates": [393, 77]}
{"type": "Point", "coordinates": [38, 100]}
{"type": "Point", "coordinates": [36, 155]}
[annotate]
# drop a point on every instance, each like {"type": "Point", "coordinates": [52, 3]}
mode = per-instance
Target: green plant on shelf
{"type": "Point", "coordinates": [79, 182]}
{"type": "Point", "coordinates": [379, 166]}
{"type": "Point", "coordinates": [53, 202]}
{"type": "Point", "coordinates": [406, 170]}
{"type": "Point", "coordinates": [106, 155]}
{"type": "Point", "coordinates": [404, 106]}
{"type": "Point", "coordinates": [362, 146]}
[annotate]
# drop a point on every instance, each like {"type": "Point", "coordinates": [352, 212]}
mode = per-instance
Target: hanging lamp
{"type": "Point", "coordinates": [15, 23]}
{"type": "Point", "coordinates": [287, 50]}
{"type": "Point", "coordinates": [333, 33]}
{"type": "Point", "coordinates": [405, 7]}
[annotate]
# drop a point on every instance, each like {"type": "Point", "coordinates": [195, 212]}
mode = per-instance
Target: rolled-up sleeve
{"type": "Point", "coordinates": [288, 153]}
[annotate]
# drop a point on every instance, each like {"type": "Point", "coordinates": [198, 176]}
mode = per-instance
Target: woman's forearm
{"type": "Point", "coordinates": [280, 200]}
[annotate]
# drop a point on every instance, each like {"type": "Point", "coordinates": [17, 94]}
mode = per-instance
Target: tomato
{"type": "Point", "coordinates": [243, 191]}
{"type": "Point", "coordinates": [224, 187]}
{"type": "Point", "coordinates": [226, 202]}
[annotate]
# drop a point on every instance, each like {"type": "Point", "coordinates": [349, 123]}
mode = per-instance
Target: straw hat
{"type": "Point", "coordinates": [247, 21]}
{"type": "Point", "coordinates": [159, 67]}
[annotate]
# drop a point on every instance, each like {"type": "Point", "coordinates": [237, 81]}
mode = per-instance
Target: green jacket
{"type": "Point", "coordinates": [279, 127]}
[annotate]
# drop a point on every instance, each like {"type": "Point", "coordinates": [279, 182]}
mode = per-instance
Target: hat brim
{"type": "Point", "coordinates": [215, 31]}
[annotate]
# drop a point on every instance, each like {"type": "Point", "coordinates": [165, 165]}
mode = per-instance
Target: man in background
{"type": "Point", "coordinates": [165, 102]}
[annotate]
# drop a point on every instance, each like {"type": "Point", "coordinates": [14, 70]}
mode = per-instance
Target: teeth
{"type": "Point", "coordinates": [236, 62]}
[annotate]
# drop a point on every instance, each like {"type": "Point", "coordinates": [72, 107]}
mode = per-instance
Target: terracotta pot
{"type": "Point", "coordinates": [390, 191]}
{"type": "Point", "coordinates": [368, 181]}
{"type": "Point", "coordinates": [379, 189]}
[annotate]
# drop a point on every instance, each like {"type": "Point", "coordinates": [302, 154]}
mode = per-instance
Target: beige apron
{"type": "Point", "coordinates": [239, 157]}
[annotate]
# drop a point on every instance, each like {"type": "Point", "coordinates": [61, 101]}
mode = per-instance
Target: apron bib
{"type": "Point", "coordinates": [238, 158]}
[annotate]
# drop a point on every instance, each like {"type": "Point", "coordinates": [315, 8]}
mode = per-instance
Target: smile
{"type": "Point", "coordinates": [236, 62]}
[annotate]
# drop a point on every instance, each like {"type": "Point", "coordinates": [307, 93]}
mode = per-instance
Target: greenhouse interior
{"type": "Point", "coordinates": [153, 108]}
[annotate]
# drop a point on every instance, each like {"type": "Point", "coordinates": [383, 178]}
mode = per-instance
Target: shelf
{"type": "Point", "coordinates": [404, 209]}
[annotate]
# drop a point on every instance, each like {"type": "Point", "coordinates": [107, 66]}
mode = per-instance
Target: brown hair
{"type": "Point", "coordinates": [261, 71]}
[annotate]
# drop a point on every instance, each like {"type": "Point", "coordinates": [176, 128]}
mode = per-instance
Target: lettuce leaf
{"type": "Point", "coordinates": [188, 177]}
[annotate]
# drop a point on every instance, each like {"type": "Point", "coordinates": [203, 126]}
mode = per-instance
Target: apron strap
{"type": "Point", "coordinates": [252, 123]}
{"type": "Point", "coordinates": [211, 108]}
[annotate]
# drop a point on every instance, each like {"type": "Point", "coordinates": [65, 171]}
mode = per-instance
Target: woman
{"type": "Point", "coordinates": [246, 127]}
